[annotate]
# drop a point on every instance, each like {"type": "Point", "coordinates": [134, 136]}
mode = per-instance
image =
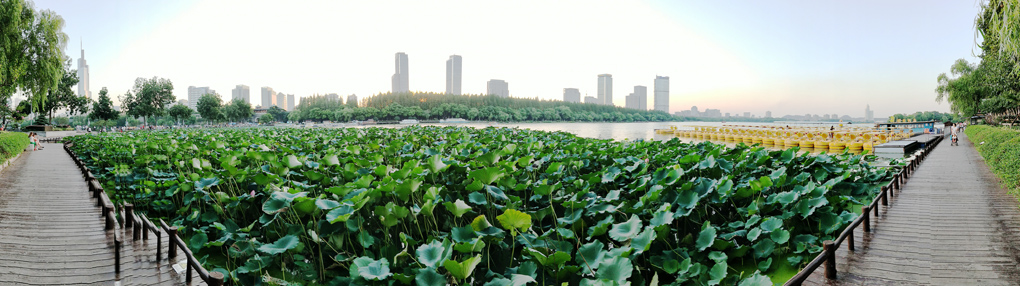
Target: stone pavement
{"type": "Point", "coordinates": [952, 224]}
{"type": "Point", "coordinates": [51, 232]}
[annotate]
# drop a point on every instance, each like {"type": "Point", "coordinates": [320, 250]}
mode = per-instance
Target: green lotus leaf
{"type": "Point", "coordinates": [475, 245]}
{"type": "Point", "coordinates": [435, 164]}
{"type": "Point", "coordinates": [341, 213]}
{"type": "Point", "coordinates": [457, 208]}
{"type": "Point", "coordinates": [463, 234]}
{"type": "Point", "coordinates": [706, 237]}
{"type": "Point", "coordinates": [292, 162]}
{"type": "Point", "coordinates": [281, 245]}
{"type": "Point", "coordinates": [610, 174]}
{"type": "Point", "coordinates": [600, 227]}
{"type": "Point", "coordinates": [488, 159]}
{"type": "Point", "coordinates": [565, 233]}
{"type": "Point", "coordinates": [626, 230]}
{"type": "Point", "coordinates": [463, 269]}
{"type": "Point", "coordinates": [770, 224]}
{"type": "Point", "coordinates": [370, 269]}
{"type": "Point", "coordinates": [617, 269]}
{"type": "Point", "coordinates": [280, 201]}
{"type": "Point", "coordinates": [553, 260]}
{"type": "Point", "coordinates": [781, 236]}
{"type": "Point", "coordinates": [717, 256]}
{"type": "Point", "coordinates": [325, 204]}
{"type": "Point", "coordinates": [198, 240]}
{"type": "Point", "coordinates": [590, 254]}
{"type": "Point", "coordinates": [599, 282]}
{"type": "Point", "coordinates": [514, 221]}
{"type": "Point", "coordinates": [717, 273]}
{"type": "Point", "coordinates": [763, 248]}
{"type": "Point", "coordinates": [429, 277]}
{"type": "Point", "coordinates": [756, 279]}
{"type": "Point", "coordinates": [487, 175]}
{"type": "Point", "coordinates": [432, 253]}
{"type": "Point", "coordinates": [643, 241]}
{"type": "Point", "coordinates": [764, 265]}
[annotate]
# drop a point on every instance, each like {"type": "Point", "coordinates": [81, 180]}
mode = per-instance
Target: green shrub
{"type": "Point", "coordinates": [11, 144]}
{"type": "Point", "coordinates": [1001, 150]}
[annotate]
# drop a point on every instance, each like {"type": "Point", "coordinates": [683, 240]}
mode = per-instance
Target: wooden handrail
{"type": "Point", "coordinates": [213, 278]}
{"type": "Point", "coordinates": [828, 254]}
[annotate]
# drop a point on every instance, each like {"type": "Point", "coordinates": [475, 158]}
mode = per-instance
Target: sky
{"type": "Point", "coordinates": [787, 57]}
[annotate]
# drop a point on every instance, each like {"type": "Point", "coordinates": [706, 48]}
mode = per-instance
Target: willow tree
{"type": "Point", "coordinates": [31, 50]}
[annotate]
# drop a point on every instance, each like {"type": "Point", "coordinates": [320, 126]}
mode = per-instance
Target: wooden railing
{"type": "Point", "coordinates": [140, 226]}
{"type": "Point", "coordinates": [829, 247]}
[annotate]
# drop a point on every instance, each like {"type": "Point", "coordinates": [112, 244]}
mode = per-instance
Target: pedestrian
{"type": "Point", "coordinates": [31, 140]}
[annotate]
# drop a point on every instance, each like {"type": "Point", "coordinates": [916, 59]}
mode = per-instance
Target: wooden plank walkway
{"type": "Point", "coordinates": [952, 224]}
{"type": "Point", "coordinates": [51, 232]}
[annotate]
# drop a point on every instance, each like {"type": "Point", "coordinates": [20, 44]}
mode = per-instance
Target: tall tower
{"type": "Point", "coordinates": [83, 76]}
{"type": "Point", "coordinates": [453, 75]}
{"type": "Point", "coordinates": [268, 97]}
{"type": "Point", "coordinates": [242, 92]}
{"type": "Point", "coordinates": [661, 94]}
{"type": "Point", "coordinates": [869, 115]}
{"type": "Point", "coordinates": [400, 78]}
{"type": "Point", "coordinates": [641, 97]}
{"type": "Point", "coordinates": [497, 87]}
{"type": "Point", "coordinates": [605, 89]}
{"type": "Point", "coordinates": [571, 95]}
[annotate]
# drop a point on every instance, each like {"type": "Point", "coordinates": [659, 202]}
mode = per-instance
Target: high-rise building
{"type": "Point", "coordinates": [281, 100]}
{"type": "Point", "coordinates": [352, 100]}
{"type": "Point", "coordinates": [83, 77]}
{"type": "Point", "coordinates": [194, 93]}
{"type": "Point", "coordinates": [453, 75]}
{"type": "Point", "coordinates": [498, 87]}
{"type": "Point", "coordinates": [869, 115]}
{"type": "Point", "coordinates": [605, 95]}
{"type": "Point", "coordinates": [661, 95]}
{"type": "Point", "coordinates": [334, 97]}
{"type": "Point", "coordinates": [290, 102]}
{"type": "Point", "coordinates": [747, 114]}
{"type": "Point", "coordinates": [241, 92]}
{"type": "Point", "coordinates": [768, 114]}
{"type": "Point", "coordinates": [400, 78]}
{"type": "Point", "coordinates": [268, 97]}
{"type": "Point", "coordinates": [571, 95]}
{"type": "Point", "coordinates": [591, 99]}
{"type": "Point", "coordinates": [640, 97]}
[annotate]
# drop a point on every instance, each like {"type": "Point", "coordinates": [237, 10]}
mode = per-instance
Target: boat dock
{"type": "Point", "coordinates": [900, 147]}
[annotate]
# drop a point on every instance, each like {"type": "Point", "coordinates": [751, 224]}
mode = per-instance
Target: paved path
{"type": "Point", "coordinates": [51, 233]}
{"type": "Point", "coordinates": [952, 224]}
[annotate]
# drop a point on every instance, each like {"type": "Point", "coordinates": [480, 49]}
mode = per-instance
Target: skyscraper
{"type": "Point", "coordinates": [241, 92]}
{"type": "Point", "coordinates": [661, 94]}
{"type": "Point", "coordinates": [352, 100]}
{"type": "Point", "coordinates": [83, 76]}
{"type": "Point", "coordinates": [605, 95]}
{"type": "Point", "coordinates": [290, 102]}
{"type": "Point", "coordinates": [400, 79]}
{"type": "Point", "coordinates": [194, 93]}
{"type": "Point", "coordinates": [571, 95]}
{"type": "Point", "coordinates": [268, 97]}
{"type": "Point", "coordinates": [281, 100]}
{"type": "Point", "coordinates": [869, 115]}
{"type": "Point", "coordinates": [453, 75]}
{"type": "Point", "coordinates": [498, 87]}
{"type": "Point", "coordinates": [641, 97]}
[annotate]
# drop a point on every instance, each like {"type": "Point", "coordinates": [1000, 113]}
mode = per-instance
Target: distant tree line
{"type": "Point", "coordinates": [929, 115]}
{"type": "Point", "coordinates": [434, 106]}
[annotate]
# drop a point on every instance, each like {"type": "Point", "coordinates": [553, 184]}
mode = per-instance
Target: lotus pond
{"type": "Point", "coordinates": [494, 206]}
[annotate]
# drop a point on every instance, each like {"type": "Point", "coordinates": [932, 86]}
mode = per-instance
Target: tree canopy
{"type": "Point", "coordinates": [237, 110]}
{"type": "Point", "coordinates": [102, 109]}
{"type": "Point", "coordinates": [32, 51]}
{"type": "Point", "coordinates": [209, 107]}
{"type": "Point", "coordinates": [149, 97]}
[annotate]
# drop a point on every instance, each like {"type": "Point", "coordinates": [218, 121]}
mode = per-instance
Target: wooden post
{"type": "Point", "coordinates": [188, 278]}
{"type": "Point", "coordinates": [875, 209]}
{"type": "Point", "coordinates": [830, 259]}
{"type": "Point", "coordinates": [850, 240]}
{"type": "Point", "coordinates": [172, 251]}
{"type": "Point", "coordinates": [116, 253]}
{"type": "Point", "coordinates": [215, 279]}
{"type": "Point", "coordinates": [137, 231]}
{"type": "Point", "coordinates": [867, 218]}
{"type": "Point", "coordinates": [159, 246]}
{"type": "Point", "coordinates": [129, 211]}
{"type": "Point", "coordinates": [885, 196]}
{"type": "Point", "coordinates": [110, 220]}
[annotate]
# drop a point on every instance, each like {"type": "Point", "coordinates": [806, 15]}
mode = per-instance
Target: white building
{"type": "Point", "coordinates": [281, 100]}
{"type": "Point", "coordinates": [83, 77]}
{"type": "Point", "coordinates": [400, 77]}
{"type": "Point", "coordinates": [268, 97]}
{"type": "Point", "coordinates": [241, 92]}
{"type": "Point", "coordinates": [453, 75]}
{"type": "Point", "coordinates": [605, 95]}
{"type": "Point", "coordinates": [661, 94]}
{"type": "Point", "coordinates": [571, 95]}
{"type": "Point", "coordinates": [498, 87]}
{"type": "Point", "coordinates": [591, 99]}
{"type": "Point", "coordinates": [194, 93]}
{"type": "Point", "coordinates": [290, 102]}
{"type": "Point", "coordinates": [638, 99]}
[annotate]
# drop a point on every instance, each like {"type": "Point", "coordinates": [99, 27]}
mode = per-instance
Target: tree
{"type": "Point", "coordinates": [32, 51]}
{"type": "Point", "coordinates": [209, 107]}
{"type": "Point", "coordinates": [103, 109]}
{"type": "Point", "coordinates": [238, 110]}
{"type": "Point", "coordinates": [180, 112]}
{"type": "Point", "coordinates": [149, 97]}
{"type": "Point", "coordinates": [278, 113]}
{"type": "Point", "coordinates": [266, 118]}
{"type": "Point", "coordinates": [63, 95]}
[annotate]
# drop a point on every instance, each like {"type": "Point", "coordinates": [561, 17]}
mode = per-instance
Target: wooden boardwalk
{"type": "Point", "coordinates": [952, 224]}
{"type": "Point", "coordinates": [51, 232]}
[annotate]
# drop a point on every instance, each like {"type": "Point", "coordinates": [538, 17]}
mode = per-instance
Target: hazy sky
{"type": "Point", "coordinates": [788, 57]}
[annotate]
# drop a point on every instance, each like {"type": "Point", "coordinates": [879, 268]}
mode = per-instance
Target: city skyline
{"type": "Point", "coordinates": [789, 58]}
{"type": "Point", "coordinates": [453, 74]}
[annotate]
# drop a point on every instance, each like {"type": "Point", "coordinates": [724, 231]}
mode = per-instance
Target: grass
{"type": "Point", "coordinates": [1000, 147]}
